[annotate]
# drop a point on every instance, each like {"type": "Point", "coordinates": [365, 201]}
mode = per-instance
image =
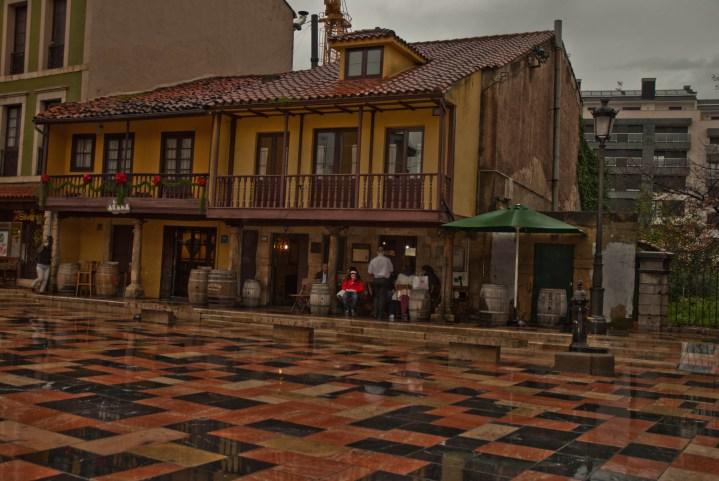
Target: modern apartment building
{"type": "Point", "coordinates": [660, 143]}
{"type": "Point", "coordinates": [55, 51]}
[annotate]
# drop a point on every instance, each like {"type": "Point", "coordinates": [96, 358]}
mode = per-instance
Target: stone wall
{"type": "Point", "coordinates": [653, 285]}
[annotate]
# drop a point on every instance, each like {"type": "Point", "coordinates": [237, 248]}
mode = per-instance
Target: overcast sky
{"type": "Point", "coordinates": [676, 41]}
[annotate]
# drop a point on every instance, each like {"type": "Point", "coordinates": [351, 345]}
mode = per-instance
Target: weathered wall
{"type": "Point", "coordinates": [136, 45]}
{"type": "Point", "coordinates": [517, 136]}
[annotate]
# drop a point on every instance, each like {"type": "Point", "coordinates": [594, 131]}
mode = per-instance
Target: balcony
{"type": "Point", "coordinates": [671, 138]}
{"type": "Point", "coordinates": [145, 193]}
{"type": "Point", "coordinates": [631, 162]}
{"type": "Point", "coordinates": [671, 162]}
{"type": "Point", "coordinates": [390, 197]}
{"type": "Point", "coordinates": [618, 138]}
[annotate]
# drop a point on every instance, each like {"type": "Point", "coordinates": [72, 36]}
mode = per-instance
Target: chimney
{"type": "Point", "coordinates": [315, 27]}
{"type": "Point", "coordinates": [649, 88]}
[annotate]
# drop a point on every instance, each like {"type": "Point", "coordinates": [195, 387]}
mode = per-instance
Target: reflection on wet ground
{"type": "Point", "coordinates": [94, 397]}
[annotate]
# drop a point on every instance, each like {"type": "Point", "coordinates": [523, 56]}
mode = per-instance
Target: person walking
{"type": "Point", "coordinates": [44, 259]}
{"type": "Point", "coordinates": [380, 268]}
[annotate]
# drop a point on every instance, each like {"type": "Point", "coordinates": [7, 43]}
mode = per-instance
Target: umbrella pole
{"type": "Point", "coordinates": [516, 272]}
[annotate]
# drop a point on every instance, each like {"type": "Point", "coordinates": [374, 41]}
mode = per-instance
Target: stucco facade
{"type": "Point", "coordinates": [136, 45]}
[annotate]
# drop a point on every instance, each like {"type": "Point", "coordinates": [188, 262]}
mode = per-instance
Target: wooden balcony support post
{"type": "Point", "coordinates": [135, 289]}
{"type": "Point", "coordinates": [214, 155]}
{"type": "Point", "coordinates": [285, 160]}
{"type": "Point", "coordinates": [299, 148]}
{"type": "Point", "coordinates": [236, 255]}
{"type": "Point", "coordinates": [45, 145]}
{"type": "Point", "coordinates": [440, 155]}
{"type": "Point", "coordinates": [450, 153]}
{"type": "Point", "coordinates": [360, 117]}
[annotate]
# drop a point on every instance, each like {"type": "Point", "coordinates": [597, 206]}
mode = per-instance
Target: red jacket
{"type": "Point", "coordinates": [353, 285]}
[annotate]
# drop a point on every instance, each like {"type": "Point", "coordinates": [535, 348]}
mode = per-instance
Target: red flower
{"type": "Point", "coordinates": [44, 178]}
{"type": "Point", "coordinates": [87, 178]}
{"type": "Point", "coordinates": [121, 178]}
{"type": "Point", "coordinates": [156, 180]}
{"type": "Point", "coordinates": [202, 181]}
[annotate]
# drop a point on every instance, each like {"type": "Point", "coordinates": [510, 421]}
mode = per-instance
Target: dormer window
{"type": "Point", "coordinates": [364, 62]}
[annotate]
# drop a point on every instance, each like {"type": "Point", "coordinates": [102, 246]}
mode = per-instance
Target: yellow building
{"type": "Point", "coordinates": [271, 176]}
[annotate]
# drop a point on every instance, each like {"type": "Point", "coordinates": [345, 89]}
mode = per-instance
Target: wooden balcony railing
{"type": "Point", "coordinates": [154, 186]}
{"type": "Point", "coordinates": [341, 191]}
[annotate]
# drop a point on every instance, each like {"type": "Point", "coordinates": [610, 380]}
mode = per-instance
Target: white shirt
{"type": "Point", "coordinates": [380, 267]}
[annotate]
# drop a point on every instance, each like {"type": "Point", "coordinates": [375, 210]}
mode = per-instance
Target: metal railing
{"type": "Point", "coordinates": [623, 161]}
{"type": "Point", "coordinates": [671, 162]}
{"type": "Point", "coordinates": [694, 288]}
{"type": "Point", "coordinates": [338, 191]}
{"type": "Point", "coordinates": [619, 138]}
{"type": "Point", "coordinates": [154, 186]}
{"type": "Point", "coordinates": [671, 138]}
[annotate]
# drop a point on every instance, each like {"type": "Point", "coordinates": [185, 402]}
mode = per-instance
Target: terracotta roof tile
{"type": "Point", "coordinates": [448, 62]}
{"type": "Point", "coordinates": [18, 191]}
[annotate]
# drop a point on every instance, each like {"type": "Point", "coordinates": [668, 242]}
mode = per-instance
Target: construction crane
{"type": "Point", "coordinates": [336, 21]}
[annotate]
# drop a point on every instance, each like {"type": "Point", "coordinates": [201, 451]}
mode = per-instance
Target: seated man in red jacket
{"type": "Point", "coordinates": [352, 287]}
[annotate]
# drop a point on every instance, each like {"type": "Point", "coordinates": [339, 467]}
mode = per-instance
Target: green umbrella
{"type": "Point", "coordinates": [518, 218]}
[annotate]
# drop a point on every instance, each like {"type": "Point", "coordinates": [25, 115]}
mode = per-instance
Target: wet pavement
{"type": "Point", "coordinates": [95, 397]}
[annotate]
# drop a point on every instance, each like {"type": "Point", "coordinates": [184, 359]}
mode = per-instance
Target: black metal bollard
{"type": "Point", "coordinates": [579, 317]}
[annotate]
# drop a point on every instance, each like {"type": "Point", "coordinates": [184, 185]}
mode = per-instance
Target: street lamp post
{"type": "Point", "coordinates": [603, 122]}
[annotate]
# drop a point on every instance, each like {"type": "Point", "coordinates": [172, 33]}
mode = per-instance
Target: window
{"type": "Point", "coordinates": [269, 154]}
{"type": "Point", "coordinates": [177, 152]}
{"type": "Point", "coordinates": [9, 159]}
{"type": "Point", "coordinates": [336, 151]}
{"type": "Point", "coordinates": [83, 153]}
{"type": "Point", "coordinates": [404, 151]}
{"type": "Point", "coordinates": [17, 55]}
{"type": "Point", "coordinates": [364, 62]}
{"type": "Point", "coordinates": [56, 48]}
{"type": "Point", "coordinates": [118, 153]}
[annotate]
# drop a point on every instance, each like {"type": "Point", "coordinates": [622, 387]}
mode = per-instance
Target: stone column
{"type": "Point", "coordinates": [235, 260]}
{"type": "Point", "coordinates": [653, 296]}
{"type": "Point", "coordinates": [332, 269]}
{"type": "Point", "coordinates": [448, 255]}
{"type": "Point", "coordinates": [54, 227]}
{"type": "Point", "coordinates": [135, 290]}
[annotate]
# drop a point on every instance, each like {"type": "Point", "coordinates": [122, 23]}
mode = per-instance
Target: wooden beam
{"type": "Point", "coordinates": [299, 150]}
{"type": "Point", "coordinates": [360, 118]}
{"type": "Point", "coordinates": [314, 111]}
{"type": "Point", "coordinates": [343, 109]}
{"type": "Point", "coordinates": [406, 105]}
{"type": "Point", "coordinates": [258, 113]}
{"type": "Point", "coordinates": [285, 158]}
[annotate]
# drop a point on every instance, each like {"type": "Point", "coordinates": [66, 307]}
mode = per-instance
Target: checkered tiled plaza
{"type": "Point", "coordinates": [105, 398]}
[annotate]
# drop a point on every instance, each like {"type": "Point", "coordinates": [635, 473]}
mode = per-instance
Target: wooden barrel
{"type": "Point", "coordinates": [67, 276]}
{"type": "Point", "coordinates": [107, 279]}
{"type": "Point", "coordinates": [251, 292]}
{"type": "Point", "coordinates": [197, 286]}
{"type": "Point", "coordinates": [320, 299]}
{"type": "Point", "coordinates": [494, 298]}
{"type": "Point", "coordinates": [551, 307]}
{"type": "Point", "coordinates": [221, 288]}
{"type": "Point", "coordinates": [419, 305]}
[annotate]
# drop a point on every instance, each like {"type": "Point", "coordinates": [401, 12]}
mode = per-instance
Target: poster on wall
{"type": "Point", "coordinates": [4, 241]}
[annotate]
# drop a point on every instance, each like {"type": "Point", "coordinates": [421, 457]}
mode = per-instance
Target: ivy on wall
{"type": "Point", "coordinates": [587, 173]}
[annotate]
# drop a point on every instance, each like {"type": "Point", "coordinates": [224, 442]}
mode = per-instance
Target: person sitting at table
{"type": "Point", "coordinates": [352, 288]}
{"type": "Point", "coordinates": [323, 276]}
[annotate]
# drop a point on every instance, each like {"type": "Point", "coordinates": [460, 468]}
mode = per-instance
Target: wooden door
{"type": "Point", "coordinates": [402, 251]}
{"type": "Point", "coordinates": [185, 249]}
{"type": "Point", "coordinates": [334, 185]}
{"type": "Point", "coordinates": [177, 156]}
{"type": "Point", "coordinates": [268, 170]}
{"type": "Point", "coordinates": [553, 269]}
{"type": "Point", "coordinates": [403, 184]}
{"type": "Point", "coordinates": [122, 250]}
{"type": "Point", "coordinates": [289, 266]}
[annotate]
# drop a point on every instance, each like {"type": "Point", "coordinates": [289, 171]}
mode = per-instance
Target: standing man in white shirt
{"type": "Point", "coordinates": [380, 269]}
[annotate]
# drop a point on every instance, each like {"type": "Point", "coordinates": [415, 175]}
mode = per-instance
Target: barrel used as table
{"type": "Point", "coordinates": [221, 288]}
{"type": "Point", "coordinates": [107, 279]}
{"type": "Point", "coordinates": [67, 277]}
{"type": "Point", "coordinates": [251, 291]}
{"type": "Point", "coordinates": [320, 299]}
{"type": "Point", "coordinates": [494, 308]}
{"type": "Point", "coordinates": [419, 305]}
{"type": "Point", "coordinates": [197, 286]}
{"type": "Point", "coordinates": [551, 307]}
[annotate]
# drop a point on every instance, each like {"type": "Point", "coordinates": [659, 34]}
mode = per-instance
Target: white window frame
{"type": "Point", "coordinates": [46, 15]}
{"type": "Point", "coordinates": [6, 43]}
{"type": "Point", "coordinates": [41, 97]}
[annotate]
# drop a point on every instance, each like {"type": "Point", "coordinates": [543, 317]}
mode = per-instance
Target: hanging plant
{"type": "Point", "coordinates": [44, 186]}
{"type": "Point", "coordinates": [201, 182]}
{"type": "Point", "coordinates": [121, 183]}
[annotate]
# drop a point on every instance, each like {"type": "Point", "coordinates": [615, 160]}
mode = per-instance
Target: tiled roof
{"type": "Point", "coordinates": [18, 191]}
{"type": "Point", "coordinates": [448, 62]}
